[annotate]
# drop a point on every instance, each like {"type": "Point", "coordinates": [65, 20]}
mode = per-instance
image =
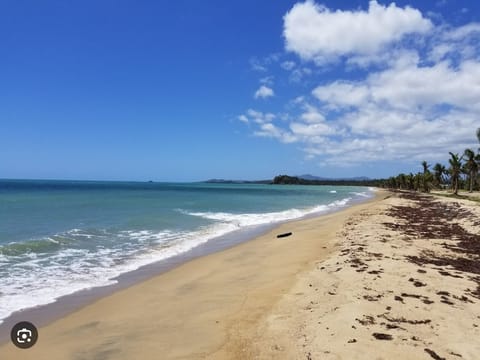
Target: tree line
{"type": "Point", "coordinates": [295, 180]}
{"type": "Point", "coordinates": [462, 173]}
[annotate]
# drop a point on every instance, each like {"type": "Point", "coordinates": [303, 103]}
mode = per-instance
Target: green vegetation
{"type": "Point", "coordinates": [462, 173]}
{"type": "Point", "coordinates": [294, 180]}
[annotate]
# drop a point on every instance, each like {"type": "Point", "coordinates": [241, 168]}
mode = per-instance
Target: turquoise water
{"type": "Point", "coordinates": [59, 237]}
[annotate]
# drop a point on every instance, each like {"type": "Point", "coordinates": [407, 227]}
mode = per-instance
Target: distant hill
{"type": "Point", "coordinates": [303, 180]}
{"type": "Point", "coordinates": [223, 181]}
{"type": "Point", "coordinates": [296, 180]}
{"type": "Point", "coordinates": [313, 177]}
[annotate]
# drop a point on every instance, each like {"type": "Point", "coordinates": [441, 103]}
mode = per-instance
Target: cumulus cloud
{"type": "Point", "coordinates": [311, 130]}
{"type": "Point", "coordinates": [414, 101]}
{"type": "Point", "coordinates": [317, 33]}
{"type": "Point", "coordinates": [243, 119]}
{"type": "Point", "coordinates": [342, 93]}
{"type": "Point", "coordinates": [272, 131]}
{"type": "Point", "coordinates": [463, 31]}
{"type": "Point", "coordinates": [408, 114]}
{"type": "Point", "coordinates": [311, 115]}
{"type": "Point", "coordinates": [404, 113]}
{"type": "Point", "coordinates": [299, 74]}
{"type": "Point", "coordinates": [410, 87]}
{"type": "Point", "coordinates": [259, 117]}
{"type": "Point", "coordinates": [263, 92]}
{"type": "Point", "coordinates": [265, 127]}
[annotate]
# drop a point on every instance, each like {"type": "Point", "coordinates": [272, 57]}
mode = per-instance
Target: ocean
{"type": "Point", "coordinates": [60, 237]}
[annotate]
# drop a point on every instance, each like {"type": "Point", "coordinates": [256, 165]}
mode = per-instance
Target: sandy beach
{"type": "Point", "coordinates": [394, 278]}
{"type": "Point", "coordinates": [403, 283]}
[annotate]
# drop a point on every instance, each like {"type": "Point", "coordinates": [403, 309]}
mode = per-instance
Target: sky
{"type": "Point", "coordinates": [191, 90]}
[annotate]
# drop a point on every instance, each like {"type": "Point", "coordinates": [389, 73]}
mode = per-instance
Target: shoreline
{"type": "Point", "coordinates": [404, 283]}
{"type": "Point", "coordinates": [44, 315]}
{"type": "Point", "coordinates": [393, 278]}
{"type": "Point", "coordinates": [193, 310]}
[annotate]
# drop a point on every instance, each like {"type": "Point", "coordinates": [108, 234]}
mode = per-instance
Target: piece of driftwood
{"type": "Point", "coordinates": [284, 235]}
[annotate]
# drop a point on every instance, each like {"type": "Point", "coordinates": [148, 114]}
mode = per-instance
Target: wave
{"type": "Point", "coordinates": [48, 244]}
{"type": "Point", "coordinates": [53, 243]}
{"type": "Point", "coordinates": [243, 220]}
{"type": "Point", "coordinates": [38, 272]}
{"type": "Point", "coordinates": [32, 279]}
{"type": "Point", "coordinates": [363, 194]}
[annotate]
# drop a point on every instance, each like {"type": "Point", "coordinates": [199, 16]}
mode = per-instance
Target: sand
{"type": "Point", "coordinates": [400, 285]}
{"type": "Point", "coordinates": [369, 282]}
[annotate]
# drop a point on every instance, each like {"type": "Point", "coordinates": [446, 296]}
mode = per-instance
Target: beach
{"type": "Point", "coordinates": [394, 277]}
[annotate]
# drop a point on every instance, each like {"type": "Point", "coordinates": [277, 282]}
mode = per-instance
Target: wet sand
{"type": "Point", "coordinates": [196, 310]}
{"type": "Point", "coordinates": [395, 278]}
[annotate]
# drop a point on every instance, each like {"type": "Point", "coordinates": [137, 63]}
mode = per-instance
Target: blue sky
{"type": "Point", "coordinates": [190, 90]}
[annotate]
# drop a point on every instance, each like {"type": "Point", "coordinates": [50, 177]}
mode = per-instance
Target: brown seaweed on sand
{"type": "Point", "coordinates": [430, 219]}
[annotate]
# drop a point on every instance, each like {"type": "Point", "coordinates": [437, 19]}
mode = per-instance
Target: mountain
{"type": "Point", "coordinates": [319, 178]}
{"type": "Point", "coordinates": [311, 177]}
{"type": "Point", "coordinates": [302, 180]}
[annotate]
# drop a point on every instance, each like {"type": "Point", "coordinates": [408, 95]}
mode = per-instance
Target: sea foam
{"type": "Point", "coordinates": [34, 278]}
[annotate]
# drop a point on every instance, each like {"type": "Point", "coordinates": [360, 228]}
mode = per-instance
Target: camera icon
{"type": "Point", "coordinates": [24, 335]}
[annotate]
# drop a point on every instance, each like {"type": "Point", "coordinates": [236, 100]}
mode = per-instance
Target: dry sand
{"type": "Point", "coordinates": [404, 283]}
{"type": "Point", "coordinates": [388, 279]}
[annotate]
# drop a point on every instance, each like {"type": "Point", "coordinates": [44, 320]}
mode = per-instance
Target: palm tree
{"type": "Point", "coordinates": [417, 180]}
{"type": "Point", "coordinates": [411, 181]}
{"type": "Point", "coordinates": [455, 170]}
{"type": "Point", "coordinates": [402, 181]}
{"type": "Point", "coordinates": [439, 170]}
{"type": "Point", "coordinates": [471, 166]}
{"type": "Point", "coordinates": [425, 166]}
{"type": "Point", "coordinates": [426, 177]}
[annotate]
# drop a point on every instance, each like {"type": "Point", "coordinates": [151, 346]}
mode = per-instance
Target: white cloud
{"type": "Point", "coordinates": [342, 93]}
{"type": "Point", "coordinates": [404, 113]}
{"type": "Point", "coordinates": [414, 101]}
{"type": "Point", "coordinates": [299, 74]}
{"type": "Point", "coordinates": [309, 130]}
{"type": "Point", "coordinates": [409, 87]}
{"type": "Point", "coordinates": [463, 31]}
{"type": "Point", "coordinates": [243, 119]}
{"type": "Point", "coordinates": [267, 80]}
{"type": "Point", "coordinates": [392, 57]}
{"type": "Point", "coordinates": [288, 65]}
{"type": "Point", "coordinates": [272, 131]}
{"type": "Point", "coordinates": [269, 130]}
{"type": "Point", "coordinates": [316, 33]}
{"type": "Point", "coordinates": [440, 51]}
{"type": "Point", "coordinates": [262, 64]}
{"type": "Point", "coordinates": [257, 65]}
{"type": "Point", "coordinates": [264, 92]}
{"type": "Point", "coordinates": [453, 44]}
{"type": "Point", "coordinates": [312, 115]}
{"type": "Point", "coordinates": [259, 117]}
